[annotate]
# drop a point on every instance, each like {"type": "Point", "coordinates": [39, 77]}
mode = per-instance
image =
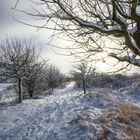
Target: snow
{"type": "Point", "coordinates": [4, 85]}
{"type": "Point", "coordinates": [138, 10]}
{"type": "Point", "coordinates": [94, 25]}
{"type": "Point", "coordinates": [67, 114]}
{"type": "Point", "coordinates": [132, 30]}
{"type": "Point", "coordinates": [7, 94]}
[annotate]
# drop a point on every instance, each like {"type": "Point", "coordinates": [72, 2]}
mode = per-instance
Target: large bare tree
{"type": "Point", "coordinates": [16, 58]}
{"type": "Point", "coordinates": [90, 21]}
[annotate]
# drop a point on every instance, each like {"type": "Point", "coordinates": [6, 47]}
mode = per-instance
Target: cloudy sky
{"type": "Point", "coordinates": [11, 28]}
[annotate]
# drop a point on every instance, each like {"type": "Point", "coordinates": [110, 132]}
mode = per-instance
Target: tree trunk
{"type": "Point", "coordinates": [31, 91]}
{"type": "Point", "coordinates": [52, 85]}
{"type": "Point", "coordinates": [84, 85]}
{"type": "Point", "coordinates": [20, 90]}
{"type": "Point", "coordinates": [52, 88]}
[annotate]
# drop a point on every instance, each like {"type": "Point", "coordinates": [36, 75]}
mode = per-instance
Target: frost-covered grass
{"type": "Point", "coordinates": [68, 114]}
{"type": "Point", "coordinates": [122, 122]}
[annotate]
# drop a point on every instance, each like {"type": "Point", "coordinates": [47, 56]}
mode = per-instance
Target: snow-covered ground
{"type": "Point", "coordinates": [67, 114]}
{"type": "Point", "coordinates": [4, 85]}
{"type": "Point", "coordinates": [7, 93]}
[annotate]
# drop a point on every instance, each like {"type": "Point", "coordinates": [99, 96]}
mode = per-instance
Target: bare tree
{"type": "Point", "coordinates": [53, 77]}
{"type": "Point", "coordinates": [33, 74]}
{"type": "Point", "coordinates": [81, 73]}
{"type": "Point", "coordinates": [90, 21]}
{"type": "Point", "coordinates": [15, 59]}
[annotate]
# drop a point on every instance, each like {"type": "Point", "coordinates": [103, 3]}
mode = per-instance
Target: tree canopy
{"type": "Point", "coordinates": [90, 21]}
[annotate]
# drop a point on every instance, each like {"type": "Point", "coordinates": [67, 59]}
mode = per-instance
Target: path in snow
{"type": "Point", "coordinates": [38, 118]}
{"type": "Point", "coordinates": [54, 117]}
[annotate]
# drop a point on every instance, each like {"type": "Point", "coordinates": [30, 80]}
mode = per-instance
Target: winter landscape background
{"type": "Point", "coordinates": [69, 70]}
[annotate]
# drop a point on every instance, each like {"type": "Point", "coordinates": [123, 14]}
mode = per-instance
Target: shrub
{"type": "Point", "coordinates": [128, 113]}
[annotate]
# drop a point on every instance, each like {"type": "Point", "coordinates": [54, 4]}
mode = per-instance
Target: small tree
{"type": "Point", "coordinates": [81, 73]}
{"type": "Point", "coordinates": [16, 57]}
{"type": "Point", "coordinates": [33, 74]}
{"type": "Point", "coordinates": [53, 77]}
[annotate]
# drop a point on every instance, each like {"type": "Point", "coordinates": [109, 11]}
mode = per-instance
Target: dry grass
{"type": "Point", "coordinates": [128, 113]}
{"type": "Point", "coordinates": [125, 118]}
{"type": "Point", "coordinates": [104, 132]}
{"type": "Point", "coordinates": [134, 133]}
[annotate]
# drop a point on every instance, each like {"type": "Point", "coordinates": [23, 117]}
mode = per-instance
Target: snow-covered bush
{"type": "Point", "coordinates": [133, 88]}
{"type": "Point", "coordinates": [104, 80]}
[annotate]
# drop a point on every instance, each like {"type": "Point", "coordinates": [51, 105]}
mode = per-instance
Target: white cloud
{"type": "Point", "coordinates": [12, 28]}
{"type": "Point", "coordinates": [41, 37]}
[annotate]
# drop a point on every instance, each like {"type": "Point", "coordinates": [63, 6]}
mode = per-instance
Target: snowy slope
{"type": "Point", "coordinates": [68, 114]}
{"type": "Point", "coordinates": [36, 118]}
